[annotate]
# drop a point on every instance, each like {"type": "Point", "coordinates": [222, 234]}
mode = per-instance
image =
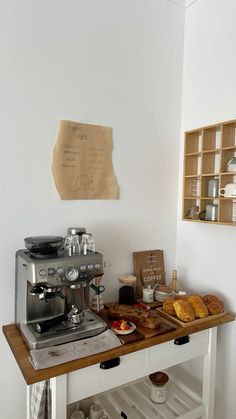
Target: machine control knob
{"type": "Point", "coordinates": [83, 268]}
{"type": "Point", "coordinates": [90, 266]}
{"type": "Point", "coordinates": [60, 270]}
{"type": "Point", "coordinates": [42, 272]}
{"type": "Point", "coordinates": [97, 265]}
{"type": "Point", "coordinates": [72, 274]}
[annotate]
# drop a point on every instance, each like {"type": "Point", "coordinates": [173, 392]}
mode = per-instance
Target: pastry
{"type": "Point", "coordinates": [213, 303]}
{"type": "Point", "coordinates": [209, 298]}
{"type": "Point", "coordinates": [168, 306]}
{"type": "Point", "coordinates": [199, 308]}
{"type": "Point", "coordinates": [214, 308]}
{"type": "Point", "coordinates": [181, 297]}
{"type": "Point", "coordinates": [184, 310]}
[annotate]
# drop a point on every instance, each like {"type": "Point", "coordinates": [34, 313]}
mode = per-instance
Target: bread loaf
{"type": "Point", "coordinates": [142, 316]}
{"type": "Point", "coordinates": [199, 308]}
{"type": "Point", "coordinates": [184, 310]}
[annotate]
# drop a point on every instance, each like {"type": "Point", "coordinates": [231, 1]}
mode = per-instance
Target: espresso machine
{"type": "Point", "coordinates": [53, 291]}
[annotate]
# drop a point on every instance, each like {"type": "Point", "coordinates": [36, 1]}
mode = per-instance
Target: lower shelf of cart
{"type": "Point", "coordinates": [132, 401]}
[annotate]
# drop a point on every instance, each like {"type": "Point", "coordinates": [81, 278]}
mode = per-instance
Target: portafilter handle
{"type": "Point", "coordinates": [44, 293]}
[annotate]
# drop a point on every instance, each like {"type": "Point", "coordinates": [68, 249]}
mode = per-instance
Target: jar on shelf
{"type": "Point", "coordinates": [127, 289]}
{"type": "Point", "coordinates": [213, 187]}
{"type": "Point", "coordinates": [158, 387]}
{"type": "Point", "coordinates": [211, 212]}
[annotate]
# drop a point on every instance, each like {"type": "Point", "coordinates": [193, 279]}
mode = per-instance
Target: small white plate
{"type": "Point", "coordinates": [125, 332]}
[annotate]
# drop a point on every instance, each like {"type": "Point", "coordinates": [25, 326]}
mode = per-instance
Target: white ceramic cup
{"type": "Point", "coordinates": [148, 293]}
{"type": "Point", "coordinates": [229, 191]}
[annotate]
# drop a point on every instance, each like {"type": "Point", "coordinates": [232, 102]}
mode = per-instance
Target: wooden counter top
{"type": "Point", "coordinates": [21, 352]}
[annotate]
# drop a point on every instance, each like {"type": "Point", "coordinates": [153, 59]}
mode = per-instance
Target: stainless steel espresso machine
{"type": "Point", "coordinates": [52, 292]}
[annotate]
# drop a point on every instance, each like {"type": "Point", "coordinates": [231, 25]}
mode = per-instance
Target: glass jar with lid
{"type": "Point", "coordinates": [158, 387]}
{"type": "Point", "coordinates": [127, 289]}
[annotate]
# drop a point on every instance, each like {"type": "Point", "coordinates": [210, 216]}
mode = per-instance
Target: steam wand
{"type": "Point", "coordinates": [98, 290]}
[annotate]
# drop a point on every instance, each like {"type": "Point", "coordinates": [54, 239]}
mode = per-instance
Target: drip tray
{"type": "Point", "coordinates": [64, 332]}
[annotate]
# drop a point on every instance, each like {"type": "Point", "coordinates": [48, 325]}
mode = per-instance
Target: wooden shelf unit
{"type": "Point", "coordinates": [207, 152]}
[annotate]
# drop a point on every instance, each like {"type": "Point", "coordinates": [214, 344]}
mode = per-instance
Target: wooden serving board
{"type": "Point", "coordinates": [142, 332]}
{"type": "Point", "coordinates": [185, 324]}
{"type": "Point", "coordinates": [149, 306]}
{"type": "Point", "coordinates": [131, 338]}
{"type": "Point", "coordinates": [165, 326]}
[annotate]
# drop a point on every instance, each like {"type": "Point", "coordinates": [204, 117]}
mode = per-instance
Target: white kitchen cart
{"type": "Point", "coordinates": [125, 387]}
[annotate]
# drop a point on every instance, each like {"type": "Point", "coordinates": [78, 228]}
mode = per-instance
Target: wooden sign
{"type": "Point", "coordinates": [149, 269]}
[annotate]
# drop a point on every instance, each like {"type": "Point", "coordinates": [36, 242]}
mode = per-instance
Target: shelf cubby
{"type": "Point", "coordinates": [229, 134]}
{"type": "Point", "coordinates": [211, 138]}
{"type": "Point", "coordinates": [210, 163]}
{"type": "Point", "coordinates": [204, 184]}
{"type": "Point", "coordinates": [227, 154]}
{"type": "Point", "coordinates": [193, 142]}
{"type": "Point", "coordinates": [192, 165]}
{"type": "Point", "coordinates": [190, 203]}
{"type": "Point", "coordinates": [228, 211]}
{"type": "Point", "coordinates": [192, 187]}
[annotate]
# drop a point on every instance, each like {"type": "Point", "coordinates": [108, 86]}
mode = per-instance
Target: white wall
{"type": "Point", "coordinates": [206, 253]}
{"type": "Point", "coordinates": [117, 63]}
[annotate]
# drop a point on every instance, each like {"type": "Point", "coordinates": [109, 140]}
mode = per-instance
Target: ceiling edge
{"type": "Point", "coordinates": [182, 3]}
{"type": "Point", "coordinates": [189, 2]}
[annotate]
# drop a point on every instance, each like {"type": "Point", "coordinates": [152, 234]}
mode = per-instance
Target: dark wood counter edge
{"type": "Point", "coordinates": [31, 376]}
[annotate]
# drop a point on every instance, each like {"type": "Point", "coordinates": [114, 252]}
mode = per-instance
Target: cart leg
{"type": "Point", "coordinates": [209, 372]}
{"type": "Point", "coordinates": [58, 387]}
{"type": "Point", "coordinates": [28, 401]}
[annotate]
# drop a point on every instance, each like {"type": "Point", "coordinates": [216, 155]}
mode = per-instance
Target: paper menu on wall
{"type": "Point", "coordinates": [82, 162]}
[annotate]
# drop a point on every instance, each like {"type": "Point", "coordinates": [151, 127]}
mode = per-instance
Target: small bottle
{"type": "Point", "coordinates": [175, 282]}
{"type": "Point", "coordinates": [158, 387]}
